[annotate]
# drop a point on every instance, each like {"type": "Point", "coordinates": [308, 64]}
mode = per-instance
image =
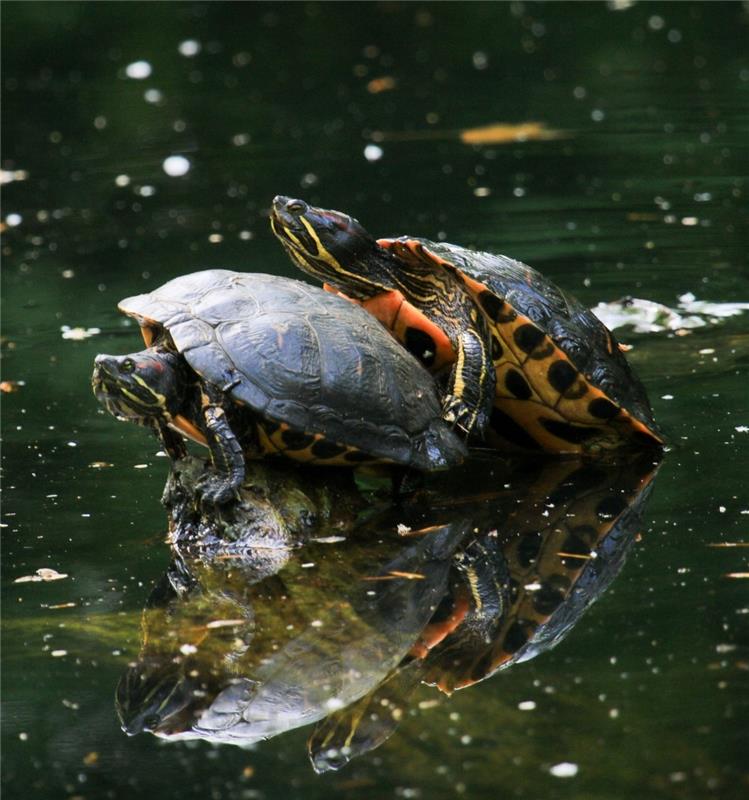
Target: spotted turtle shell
{"type": "Point", "coordinates": [566, 382]}
{"type": "Point", "coordinates": [305, 359]}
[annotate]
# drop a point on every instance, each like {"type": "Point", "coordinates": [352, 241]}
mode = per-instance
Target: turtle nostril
{"type": "Point", "coordinates": [296, 206]}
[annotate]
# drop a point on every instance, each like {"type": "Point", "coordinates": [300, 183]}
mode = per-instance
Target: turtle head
{"type": "Point", "coordinates": [141, 387]}
{"type": "Point", "coordinates": [331, 246]}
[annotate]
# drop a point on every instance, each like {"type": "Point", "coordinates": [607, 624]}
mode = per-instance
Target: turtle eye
{"type": "Point", "coordinates": [296, 206]}
{"type": "Point", "coordinates": [128, 366]}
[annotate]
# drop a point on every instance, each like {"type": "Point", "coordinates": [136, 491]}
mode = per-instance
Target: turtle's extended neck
{"type": "Point", "coordinates": [376, 270]}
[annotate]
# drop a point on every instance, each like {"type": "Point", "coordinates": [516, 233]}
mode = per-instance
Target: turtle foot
{"type": "Point", "coordinates": [215, 490]}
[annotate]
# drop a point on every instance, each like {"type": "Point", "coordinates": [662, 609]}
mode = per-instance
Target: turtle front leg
{"type": "Point", "coordinates": [174, 446]}
{"type": "Point", "coordinates": [226, 452]}
{"type": "Point", "coordinates": [470, 389]}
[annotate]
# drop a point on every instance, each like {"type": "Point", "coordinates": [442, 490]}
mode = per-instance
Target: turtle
{"type": "Point", "coordinates": [527, 364]}
{"type": "Point", "coordinates": [252, 364]}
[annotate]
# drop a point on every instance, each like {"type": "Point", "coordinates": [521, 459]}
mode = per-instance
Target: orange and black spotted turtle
{"type": "Point", "coordinates": [528, 364]}
{"type": "Point", "coordinates": [254, 365]}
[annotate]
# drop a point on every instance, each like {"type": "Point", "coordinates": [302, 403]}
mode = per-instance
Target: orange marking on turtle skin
{"type": "Point", "coordinates": [398, 315]}
{"type": "Point", "coordinates": [184, 426]}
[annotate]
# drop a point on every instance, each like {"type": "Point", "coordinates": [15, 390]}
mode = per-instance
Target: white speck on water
{"type": "Point", "coordinates": [707, 351]}
{"type": "Point", "coordinates": [188, 649]}
{"type": "Point", "coordinates": [597, 115]}
{"type": "Point", "coordinates": [100, 123]}
{"type": "Point", "coordinates": [23, 736]}
{"type": "Point", "coordinates": [579, 92]}
{"type": "Point", "coordinates": [176, 166]}
{"type": "Point", "coordinates": [334, 704]}
{"type": "Point", "coordinates": [316, 623]}
{"type": "Point", "coordinates": [532, 587]}
{"type": "Point", "coordinates": [565, 769]}
{"type": "Point", "coordinates": [153, 96]}
{"type": "Point", "coordinates": [722, 509]}
{"type": "Point", "coordinates": [58, 653]}
{"type": "Point", "coordinates": [527, 705]}
{"type": "Point", "coordinates": [308, 565]}
{"type": "Point", "coordinates": [518, 191]}
{"type": "Point", "coordinates": [245, 236]}
{"type": "Point", "coordinates": [138, 70]}
{"type": "Point", "coordinates": [613, 713]}
{"type": "Point", "coordinates": [482, 191]}
{"type": "Point", "coordinates": [122, 180]}
{"type": "Point", "coordinates": [215, 238]}
{"type": "Point", "coordinates": [240, 139]}
{"type": "Point", "coordinates": [667, 397]}
{"type": "Point", "coordinates": [12, 220]}
{"type": "Point", "coordinates": [656, 23]}
{"type": "Point", "coordinates": [146, 191]}
{"type": "Point", "coordinates": [140, 466]}
{"type": "Point", "coordinates": [72, 444]}
{"type": "Point", "coordinates": [189, 48]}
{"type": "Point", "coordinates": [480, 60]}
{"type": "Point", "coordinates": [742, 429]}
{"type": "Point", "coordinates": [689, 221]}
{"type": "Point", "coordinates": [309, 179]}
{"type": "Point", "coordinates": [373, 152]}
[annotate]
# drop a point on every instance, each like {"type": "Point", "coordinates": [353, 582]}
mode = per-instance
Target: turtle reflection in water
{"type": "Point", "coordinates": [341, 635]}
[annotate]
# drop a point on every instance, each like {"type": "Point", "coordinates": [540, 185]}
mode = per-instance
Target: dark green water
{"type": "Point", "coordinates": [644, 194]}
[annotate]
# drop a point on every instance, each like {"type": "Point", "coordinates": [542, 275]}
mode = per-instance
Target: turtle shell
{"type": "Point", "coordinates": [563, 383]}
{"type": "Point", "coordinates": [329, 382]}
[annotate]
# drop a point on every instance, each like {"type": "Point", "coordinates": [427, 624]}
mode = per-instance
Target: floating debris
{"type": "Point", "coordinates": [100, 464]}
{"type": "Point", "coordinates": [493, 133]}
{"type": "Point", "coordinates": [564, 769]}
{"type": "Point", "coordinates": [78, 334]}
{"type": "Point", "coordinates": [502, 133]}
{"type": "Point", "coordinates": [646, 316]}
{"type": "Point", "coordinates": [9, 176]}
{"type": "Point", "coordinates": [384, 84]}
{"type": "Point", "coordinates": [6, 387]}
{"type": "Point", "coordinates": [42, 574]}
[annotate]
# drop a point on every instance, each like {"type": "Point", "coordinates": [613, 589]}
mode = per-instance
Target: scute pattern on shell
{"type": "Point", "coordinates": [299, 355]}
{"type": "Point", "coordinates": [573, 327]}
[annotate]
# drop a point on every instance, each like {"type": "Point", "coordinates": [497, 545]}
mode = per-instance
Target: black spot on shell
{"type": "Point", "coordinates": [296, 440]}
{"type": "Point", "coordinates": [517, 635]}
{"type": "Point", "coordinates": [603, 408]}
{"type": "Point", "coordinates": [610, 507]}
{"type": "Point", "coordinates": [528, 549]}
{"type": "Point", "coordinates": [495, 308]}
{"type": "Point", "coordinates": [518, 385]}
{"type": "Point", "coordinates": [325, 449]}
{"type": "Point", "coordinates": [357, 456]}
{"type": "Point", "coordinates": [421, 345]}
{"type": "Point", "coordinates": [497, 349]}
{"type": "Point", "coordinates": [574, 545]}
{"type": "Point", "coordinates": [551, 594]}
{"type": "Point", "coordinates": [481, 668]}
{"type": "Point", "coordinates": [561, 375]}
{"type": "Point", "coordinates": [575, 434]}
{"type": "Point", "coordinates": [528, 337]}
{"type": "Point", "coordinates": [506, 427]}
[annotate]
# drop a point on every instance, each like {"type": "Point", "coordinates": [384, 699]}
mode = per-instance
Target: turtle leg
{"type": "Point", "coordinates": [174, 445]}
{"type": "Point", "coordinates": [468, 401]}
{"type": "Point", "coordinates": [226, 452]}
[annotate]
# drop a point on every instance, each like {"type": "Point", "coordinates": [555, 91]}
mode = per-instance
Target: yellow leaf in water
{"type": "Point", "coordinates": [500, 133]}
{"type": "Point", "coordinates": [383, 84]}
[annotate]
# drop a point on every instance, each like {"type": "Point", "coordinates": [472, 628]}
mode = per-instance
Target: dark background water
{"type": "Point", "coordinates": [644, 194]}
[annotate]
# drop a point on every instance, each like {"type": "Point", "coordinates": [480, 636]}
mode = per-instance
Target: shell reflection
{"type": "Point", "coordinates": [446, 588]}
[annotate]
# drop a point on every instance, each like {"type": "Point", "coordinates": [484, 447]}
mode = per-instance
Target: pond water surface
{"type": "Point", "coordinates": [605, 144]}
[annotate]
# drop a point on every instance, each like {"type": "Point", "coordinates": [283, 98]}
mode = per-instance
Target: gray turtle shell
{"type": "Point", "coordinates": [302, 356]}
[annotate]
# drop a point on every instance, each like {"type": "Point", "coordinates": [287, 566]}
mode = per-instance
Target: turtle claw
{"type": "Point", "coordinates": [457, 414]}
{"type": "Point", "coordinates": [214, 490]}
